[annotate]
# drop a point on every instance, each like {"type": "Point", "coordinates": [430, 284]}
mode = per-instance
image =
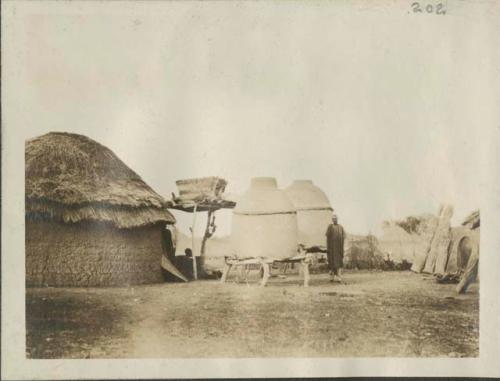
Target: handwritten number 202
{"type": "Point", "coordinates": [429, 8]}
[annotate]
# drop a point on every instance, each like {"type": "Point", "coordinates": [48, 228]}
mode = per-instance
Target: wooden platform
{"type": "Point", "coordinates": [305, 259]}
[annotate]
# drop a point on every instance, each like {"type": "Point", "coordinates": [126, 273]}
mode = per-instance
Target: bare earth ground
{"type": "Point", "coordinates": [397, 314]}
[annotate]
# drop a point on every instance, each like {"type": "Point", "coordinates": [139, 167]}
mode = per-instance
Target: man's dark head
{"type": "Point", "coordinates": [335, 219]}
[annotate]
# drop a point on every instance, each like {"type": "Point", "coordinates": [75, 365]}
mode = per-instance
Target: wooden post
{"type": "Point", "coordinates": [195, 268]}
{"type": "Point", "coordinates": [209, 231]}
{"type": "Point", "coordinates": [227, 268]}
{"type": "Point", "coordinates": [243, 273]}
{"type": "Point", "coordinates": [305, 266]}
{"type": "Point", "coordinates": [267, 273]}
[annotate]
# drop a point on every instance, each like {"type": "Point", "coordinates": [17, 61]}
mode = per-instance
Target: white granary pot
{"type": "Point", "coordinates": [314, 212]}
{"type": "Point", "coordinates": [264, 222]}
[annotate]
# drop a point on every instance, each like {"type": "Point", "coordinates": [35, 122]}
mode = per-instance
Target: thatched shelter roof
{"type": "Point", "coordinates": [206, 193]}
{"type": "Point", "coordinates": [72, 178]}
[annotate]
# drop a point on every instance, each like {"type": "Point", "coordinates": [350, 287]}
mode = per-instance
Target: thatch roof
{"type": "Point", "coordinates": [72, 178]}
{"type": "Point", "coordinates": [206, 193]}
{"type": "Point", "coordinates": [201, 188]}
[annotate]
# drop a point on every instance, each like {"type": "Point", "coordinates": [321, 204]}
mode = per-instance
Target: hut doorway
{"type": "Point", "coordinates": [464, 252]}
{"type": "Point", "coordinates": [168, 244]}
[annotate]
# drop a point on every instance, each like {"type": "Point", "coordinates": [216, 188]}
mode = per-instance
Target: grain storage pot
{"type": "Point", "coordinates": [314, 212]}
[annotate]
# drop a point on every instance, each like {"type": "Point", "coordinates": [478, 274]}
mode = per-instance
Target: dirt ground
{"type": "Point", "coordinates": [397, 314]}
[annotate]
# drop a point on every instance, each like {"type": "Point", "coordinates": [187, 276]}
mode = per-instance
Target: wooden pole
{"type": "Point", "coordinates": [305, 266]}
{"type": "Point", "coordinates": [267, 273]}
{"type": "Point", "coordinates": [195, 268]}
{"type": "Point", "coordinates": [209, 231]}
{"type": "Point", "coordinates": [227, 268]}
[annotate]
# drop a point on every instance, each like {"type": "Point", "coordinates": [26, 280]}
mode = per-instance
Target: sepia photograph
{"type": "Point", "coordinates": [110, 273]}
{"type": "Point", "coordinates": [207, 180]}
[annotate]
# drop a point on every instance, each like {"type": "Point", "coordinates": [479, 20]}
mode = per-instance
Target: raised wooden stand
{"type": "Point", "coordinates": [265, 263]}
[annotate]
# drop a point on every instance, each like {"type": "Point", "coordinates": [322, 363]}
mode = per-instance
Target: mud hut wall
{"type": "Point", "coordinates": [268, 235]}
{"type": "Point", "coordinates": [458, 234]}
{"type": "Point", "coordinates": [91, 254]}
{"type": "Point", "coordinates": [476, 234]}
{"type": "Point", "coordinates": [312, 225]}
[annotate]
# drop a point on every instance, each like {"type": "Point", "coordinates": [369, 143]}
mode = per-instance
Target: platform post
{"type": "Point", "coordinates": [305, 266]}
{"type": "Point", "coordinates": [227, 268]}
{"type": "Point", "coordinates": [195, 267]}
{"type": "Point", "coordinates": [267, 273]}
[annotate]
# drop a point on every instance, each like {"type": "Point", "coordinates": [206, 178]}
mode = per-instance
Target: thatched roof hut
{"type": "Point", "coordinates": [90, 219]}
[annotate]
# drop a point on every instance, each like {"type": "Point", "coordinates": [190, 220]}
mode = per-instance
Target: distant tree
{"type": "Point", "coordinates": [410, 224]}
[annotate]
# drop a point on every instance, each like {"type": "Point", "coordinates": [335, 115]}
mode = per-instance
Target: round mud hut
{"type": "Point", "coordinates": [264, 222]}
{"type": "Point", "coordinates": [90, 220]}
{"type": "Point", "coordinates": [314, 212]}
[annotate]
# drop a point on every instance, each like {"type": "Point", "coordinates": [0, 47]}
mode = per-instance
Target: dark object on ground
{"type": "Point", "coordinates": [404, 265]}
{"type": "Point", "coordinates": [390, 265]}
{"type": "Point", "coordinates": [185, 264]}
{"type": "Point", "coordinates": [448, 278]}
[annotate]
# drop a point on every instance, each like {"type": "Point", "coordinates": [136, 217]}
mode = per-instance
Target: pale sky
{"type": "Point", "coordinates": [387, 124]}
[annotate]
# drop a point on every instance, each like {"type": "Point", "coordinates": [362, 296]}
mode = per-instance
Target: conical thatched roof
{"type": "Point", "coordinates": [73, 178]}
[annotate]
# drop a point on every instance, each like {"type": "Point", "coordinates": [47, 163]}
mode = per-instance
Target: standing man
{"type": "Point", "coordinates": [335, 236]}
